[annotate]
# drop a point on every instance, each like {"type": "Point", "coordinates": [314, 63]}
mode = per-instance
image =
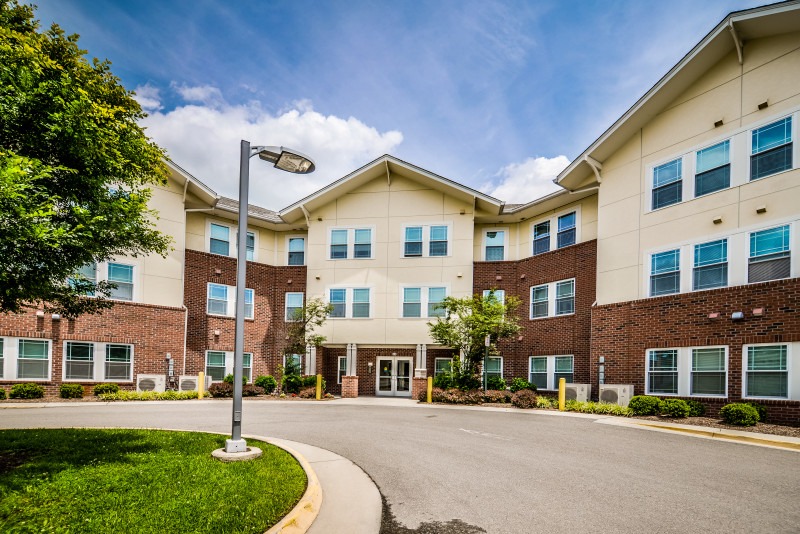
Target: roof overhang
{"type": "Point", "coordinates": [749, 24]}
{"type": "Point", "coordinates": [197, 195]}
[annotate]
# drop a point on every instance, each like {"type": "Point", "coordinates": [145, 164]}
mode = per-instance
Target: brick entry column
{"type": "Point", "coordinates": [418, 386]}
{"type": "Point", "coordinates": [349, 387]}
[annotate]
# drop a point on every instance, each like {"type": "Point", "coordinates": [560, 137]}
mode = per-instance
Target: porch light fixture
{"type": "Point", "coordinates": [287, 160]}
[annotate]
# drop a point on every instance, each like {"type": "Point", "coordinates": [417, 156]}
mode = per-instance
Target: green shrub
{"type": "Point", "coordinates": [739, 413]}
{"type": "Point", "coordinates": [443, 381]}
{"type": "Point", "coordinates": [674, 408]}
{"type": "Point", "coordinates": [497, 396]}
{"type": "Point", "coordinates": [229, 379]}
{"type": "Point", "coordinates": [149, 395]}
{"type": "Point", "coordinates": [456, 396]}
{"type": "Point", "coordinates": [292, 383]}
{"type": "Point", "coordinates": [495, 383]}
{"type": "Point", "coordinates": [102, 389]}
{"type": "Point", "coordinates": [310, 381]}
{"type": "Point", "coordinates": [71, 391]}
{"type": "Point", "coordinates": [604, 408]}
{"type": "Point", "coordinates": [250, 390]}
{"type": "Point", "coordinates": [518, 384]}
{"type": "Point", "coordinates": [645, 405]}
{"type": "Point", "coordinates": [267, 382]}
{"type": "Point", "coordinates": [546, 402]}
{"type": "Point", "coordinates": [221, 389]}
{"type": "Point", "coordinates": [28, 390]}
{"type": "Point", "coordinates": [696, 408]}
{"type": "Point", "coordinates": [2, 393]}
{"type": "Point", "coordinates": [524, 398]}
{"type": "Point", "coordinates": [762, 411]}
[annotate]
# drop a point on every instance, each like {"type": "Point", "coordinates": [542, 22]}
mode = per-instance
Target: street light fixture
{"type": "Point", "coordinates": [286, 160]}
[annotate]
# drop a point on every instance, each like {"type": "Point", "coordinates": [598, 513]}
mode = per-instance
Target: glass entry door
{"type": "Point", "coordinates": [394, 377]}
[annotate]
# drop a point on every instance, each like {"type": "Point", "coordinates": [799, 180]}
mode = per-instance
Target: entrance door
{"type": "Point", "coordinates": [394, 377]}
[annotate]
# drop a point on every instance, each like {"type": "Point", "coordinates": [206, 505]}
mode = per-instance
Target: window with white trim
{"type": "Point", "coordinates": [88, 361]}
{"type": "Point", "coordinates": [494, 367]}
{"type": "Point", "coordinates": [767, 371]}
{"type": "Point", "coordinates": [349, 302]}
{"type": "Point", "coordinates": [494, 245]}
{"type": "Point", "coordinates": [712, 169]}
{"type": "Point", "coordinates": [553, 299]}
{"type": "Point", "coordinates": [219, 241]}
{"type": "Point", "coordinates": [558, 231]}
{"type": "Point", "coordinates": [88, 273]}
{"type": "Point", "coordinates": [442, 365]}
{"type": "Point", "coordinates": [770, 256]}
{"type": "Point", "coordinates": [79, 361]}
{"type": "Point", "coordinates": [566, 230]}
{"type": "Point", "coordinates": [545, 371]}
{"type": "Point", "coordinates": [687, 371]}
{"type": "Point", "coordinates": [498, 294]}
{"type": "Point", "coordinates": [350, 243]}
{"type": "Point", "coordinates": [297, 251]}
{"type": "Point", "coordinates": [33, 359]}
{"type": "Point", "coordinates": [667, 184]}
{"type": "Point", "coordinates": [710, 265]}
{"type": "Point", "coordinates": [422, 301]}
{"type": "Point", "coordinates": [221, 300]}
{"type": "Point", "coordinates": [541, 238]}
{"type": "Point", "coordinates": [771, 149]}
{"type": "Point", "coordinates": [118, 363]}
{"type": "Point", "coordinates": [122, 276]}
{"type": "Point", "coordinates": [294, 306]}
{"type": "Point", "coordinates": [341, 369]}
{"type": "Point", "coordinates": [665, 273]}
{"type": "Point", "coordinates": [219, 364]}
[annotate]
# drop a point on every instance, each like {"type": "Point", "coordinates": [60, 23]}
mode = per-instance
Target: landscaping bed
{"type": "Point", "coordinates": [713, 422]}
{"type": "Point", "coordinates": [84, 480]}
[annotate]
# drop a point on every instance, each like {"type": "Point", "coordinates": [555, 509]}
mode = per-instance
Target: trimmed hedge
{"type": "Point", "coordinates": [103, 389]}
{"type": "Point", "coordinates": [148, 395]}
{"type": "Point", "coordinates": [645, 405]}
{"type": "Point", "coordinates": [696, 408]}
{"type": "Point", "coordinates": [524, 398]}
{"type": "Point", "coordinates": [71, 391]}
{"type": "Point", "coordinates": [597, 408]}
{"type": "Point", "coordinates": [267, 382]}
{"type": "Point", "coordinates": [739, 413]}
{"type": "Point", "coordinates": [2, 393]}
{"type": "Point", "coordinates": [497, 396]}
{"type": "Point", "coordinates": [674, 408]}
{"type": "Point", "coordinates": [495, 383]}
{"type": "Point", "coordinates": [29, 390]}
{"type": "Point", "coordinates": [762, 411]}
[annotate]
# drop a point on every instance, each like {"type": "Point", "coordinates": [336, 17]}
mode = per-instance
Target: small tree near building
{"type": "Point", "coordinates": [464, 327]}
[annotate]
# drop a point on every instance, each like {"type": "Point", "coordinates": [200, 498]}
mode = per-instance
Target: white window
{"type": "Point", "coordinates": [426, 240]}
{"type": "Point", "coordinates": [555, 298]}
{"type": "Point", "coordinates": [770, 256]}
{"type": "Point", "coordinates": [351, 243]}
{"type": "Point", "coordinates": [297, 251]}
{"type": "Point", "coordinates": [546, 371]}
{"type": "Point", "coordinates": [422, 301]}
{"type": "Point", "coordinates": [442, 365]}
{"type": "Point", "coordinates": [665, 273]}
{"type": "Point", "coordinates": [24, 359]}
{"type": "Point", "coordinates": [771, 150]}
{"type": "Point", "coordinates": [558, 231]}
{"type": "Point", "coordinates": [566, 230]}
{"type": "Point", "coordinates": [221, 300]}
{"type": "Point", "coordinates": [495, 241]}
{"type": "Point", "coordinates": [122, 276]}
{"type": "Point", "coordinates": [541, 237]}
{"type": "Point", "coordinates": [219, 364]}
{"type": "Point", "coordinates": [350, 302]}
{"type": "Point", "coordinates": [341, 369]}
{"type": "Point", "coordinates": [710, 265]}
{"type": "Point", "coordinates": [667, 184]}
{"type": "Point", "coordinates": [766, 371]}
{"type": "Point", "coordinates": [294, 306]}
{"type": "Point", "coordinates": [88, 361]}
{"type": "Point", "coordinates": [712, 169]}
{"type": "Point", "coordinates": [219, 241]}
{"type": "Point", "coordinates": [498, 294]}
{"type": "Point", "coordinates": [494, 367]}
{"type": "Point", "coordinates": [687, 371]}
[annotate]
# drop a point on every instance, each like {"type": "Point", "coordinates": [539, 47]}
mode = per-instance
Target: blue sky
{"type": "Point", "coordinates": [496, 95]}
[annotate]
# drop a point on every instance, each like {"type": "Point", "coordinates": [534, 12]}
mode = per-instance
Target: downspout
{"type": "Point", "coordinates": [737, 41]}
{"type": "Point", "coordinates": [185, 332]}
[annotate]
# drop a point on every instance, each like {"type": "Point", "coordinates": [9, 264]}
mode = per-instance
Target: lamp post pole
{"type": "Point", "coordinates": [285, 160]}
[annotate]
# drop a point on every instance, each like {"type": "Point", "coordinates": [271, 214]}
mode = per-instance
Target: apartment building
{"type": "Point", "coordinates": [667, 261]}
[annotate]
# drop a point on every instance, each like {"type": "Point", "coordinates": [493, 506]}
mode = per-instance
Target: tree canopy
{"type": "Point", "coordinates": [75, 169]}
{"type": "Point", "coordinates": [300, 331]}
{"type": "Point", "coordinates": [465, 324]}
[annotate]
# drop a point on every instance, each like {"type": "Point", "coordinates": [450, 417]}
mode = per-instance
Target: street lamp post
{"type": "Point", "coordinates": [287, 160]}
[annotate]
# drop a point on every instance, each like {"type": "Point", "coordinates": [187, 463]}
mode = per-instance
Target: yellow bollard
{"type": "Point", "coordinates": [562, 393]}
{"type": "Point", "coordinates": [319, 387]}
{"type": "Point", "coordinates": [201, 384]}
{"type": "Point", "coordinates": [430, 389]}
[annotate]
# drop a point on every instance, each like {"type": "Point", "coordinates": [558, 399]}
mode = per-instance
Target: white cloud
{"type": "Point", "coordinates": [520, 183]}
{"type": "Point", "coordinates": [205, 139]}
{"type": "Point", "coordinates": [148, 97]}
{"type": "Point", "coordinates": [203, 94]}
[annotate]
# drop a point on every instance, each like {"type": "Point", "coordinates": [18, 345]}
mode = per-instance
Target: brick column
{"type": "Point", "coordinates": [349, 387]}
{"type": "Point", "coordinates": [418, 385]}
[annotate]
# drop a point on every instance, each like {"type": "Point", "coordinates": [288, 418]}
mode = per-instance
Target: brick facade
{"type": "Point", "coordinates": [349, 387]}
{"type": "Point", "coordinates": [154, 331]}
{"type": "Point", "coordinates": [561, 335]}
{"type": "Point", "coordinates": [265, 334]}
{"type": "Point", "coordinates": [622, 332]}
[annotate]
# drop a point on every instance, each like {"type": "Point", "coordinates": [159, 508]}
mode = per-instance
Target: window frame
{"type": "Point", "coordinates": [789, 371]}
{"type": "Point", "coordinates": [289, 252]}
{"type": "Point", "coordinates": [350, 244]}
{"type": "Point", "coordinates": [684, 371]}
{"type": "Point", "coordinates": [100, 361]}
{"type": "Point", "coordinates": [233, 237]}
{"type": "Point", "coordinates": [349, 301]}
{"type": "Point", "coordinates": [340, 372]}
{"type": "Point", "coordinates": [792, 138]}
{"type": "Point", "coordinates": [228, 366]}
{"type": "Point", "coordinates": [550, 369]}
{"type": "Point", "coordinates": [120, 283]}
{"type": "Point", "coordinates": [493, 373]}
{"type": "Point", "coordinates": [426, 229]}
{"type": "Point", "coordinates": [553, 233]}
{"type": "Point", "coordinates": [231, 301]}
{"type": "Point", "coordinates": [485, 233]}
{"type": "Point", "coordinates": [552, 299]}
{"type": "Point", "coordinates": [725, 243]}
{"type": "Point", "coordinates": [10, 359]}
{"type": "Point", "coordinates": [437, 370]}
{"type": "Point", "coordinates": [652, 274]}
{"type": "Point", "coordinates": [770, 256]}
{"type": "Point", "coordinates": [286, 317]}
{"type": "Point", "coordinates": [679, 181]}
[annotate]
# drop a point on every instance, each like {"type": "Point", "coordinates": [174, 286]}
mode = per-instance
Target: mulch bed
{"type": "Point", "coordinates": [761, 428]}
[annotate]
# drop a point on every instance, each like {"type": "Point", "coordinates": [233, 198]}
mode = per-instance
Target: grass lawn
{"type": "Point", "coordinates": [73, 480]}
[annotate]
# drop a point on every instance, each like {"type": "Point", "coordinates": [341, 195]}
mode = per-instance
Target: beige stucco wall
{"type": "Point", "coordinates": [629, 231]}
{"type": "Point", "coordinates": [386, 208]}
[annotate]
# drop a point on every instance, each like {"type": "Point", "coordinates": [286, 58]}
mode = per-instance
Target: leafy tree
{"type": "Point", "coordinates": [75, 167]}
{"type": "Point", "coordinates": [464, 327]}
{"type": "Point", "coordinates": [305, 321]}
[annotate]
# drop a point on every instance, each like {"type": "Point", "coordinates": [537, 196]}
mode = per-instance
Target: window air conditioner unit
{"type": "Point", "coordinates": [189, 383]}
{"type": "Point", "coordinates": [616, 393]}
{"type": "Point", "coordinates": [579, 392]}
{"type": "Point", "coordinates": [151, 383]}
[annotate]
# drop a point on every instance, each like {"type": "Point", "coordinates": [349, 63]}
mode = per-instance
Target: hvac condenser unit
{"type": "Point", "coordinates": [616, 393]}
{"type": "Point", "coordinates": [189, 382]}
{"type": "Point", "coordinates": [151, 382]}
{"type": "Point", "coordinates": [579, 392]}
